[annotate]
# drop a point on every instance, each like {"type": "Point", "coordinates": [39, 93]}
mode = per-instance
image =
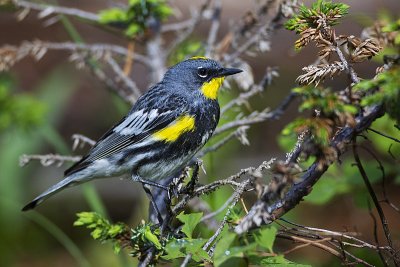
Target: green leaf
{"type": "Point", "coordinates": [280, 261]}
{"type": "Point", "coordinates": [234, 252]}
{"type": "Point", "coordinates": [190, 222]}
{"type": "Point", "coordinates": [132, 30]}
{"type": "Point", "coordinates": [240, 250]}
{"type": "Point", "coordinates": [179, 248]}
{"type": "Point", "coordinates": [265, 237]}
{"type": "Point", "coordinates": [117, 248]}
{"type": "Point", "coordinates": [223, 245]}
{"type": "Point", "coordinates": [97, 233]}
{"type": "Point", "coordinates": [84, 218]}
{"type": "Point", "coordinates": [112, 15]}
{"type": "Point", "coordinates": [148, 235]}
{"type": "Point", "coordinates": [173, 250]}
{"type": "Point", "coordinates": [308, 17]}
{"type": "Point", "coordinates": [115, 230]}
{"type": "Point", "coordinates": [195, 247]}
{"type": "Point", "coordinates": [102, 229]}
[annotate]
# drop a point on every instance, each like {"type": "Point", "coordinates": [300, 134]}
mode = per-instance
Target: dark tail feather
{"type": "Point", "coordinates": [32, 204]}
{"type": "Point", "coordinates": [67, 182]}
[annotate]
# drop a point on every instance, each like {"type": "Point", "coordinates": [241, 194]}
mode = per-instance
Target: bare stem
{"type": "Point", "coordinates": [371, 192]}
{"type": "Point", "coordinates": [215, 23]}
{"type": "Point", "coordinates": [49, 9]}
{"type": "Point", "coordinates": [47, 160]}
{"type": "Point", "coordinates": [238, 192]}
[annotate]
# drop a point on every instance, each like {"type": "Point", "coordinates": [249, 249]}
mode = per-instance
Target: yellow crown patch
{"type": "Point", "coordinates": [198, 57]}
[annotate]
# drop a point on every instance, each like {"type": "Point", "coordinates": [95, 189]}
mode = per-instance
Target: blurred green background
{"type": "Point", "coordinates": [43, 103]}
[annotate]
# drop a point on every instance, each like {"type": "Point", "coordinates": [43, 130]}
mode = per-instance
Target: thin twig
{"type": "Point", "coordinates": [93, 48]}
{"type": "Point", "coordinates": [242, 98]}
{"type": "Point", "coordinates": [215, 23]}
{"type": "Point", "coordinates": [111, 84]}
{"type": "Point", "coordinates": [306, 244]}
{"type": "Point", "coordinates": [338, 244]}
{"type": "Point", "coordinates": [252, 118]}
{"type": "Point", "coordinates": [238, 192]}
{"type": "Point", "coordinates": [348, 254]}
{"type": "Point", "coordinates": [371, 192]}
{"type": "Point", "coordinates": [376, 234]}
{"type": "Point", "coordinates": [264, 213]}
{"type": "Point", "coordinates": [384, 135]}
{"type": "Point", "coordinates": [194, 21]}
{"type": "Point", "coordinates": [186, 260]}
{"type": "Point", "coordinates": [310, 242]}
{"type": "Point", "coordinates": [49, 9]}
{"type": "Point", "coordinates": [239, 133]}
{"type": "Point", "coordinates": [256, 117]}
{"type": "Point", "coordinates": [177, 26]}
{"type": "Point", "coordinates": [342, 235]}
{"type": "Point", "coordinates": [382, 169]}
{"type": "Point", "coordinates": [270, 73]}
{"type": "Point", "coordinates": [149, 257]}
{"type": "Point", "coordinates": [293, 155]}
{"type": "Point", "coordinates": [47, 160]}
{"type": "Point", "coordinates": [219, 210]}
{"type": "Point", "coordinates": [347, 66]}
{"type": "Point", "coordinates": [80, 140]}
{"type": "Point", "coordinates": [129, 83]}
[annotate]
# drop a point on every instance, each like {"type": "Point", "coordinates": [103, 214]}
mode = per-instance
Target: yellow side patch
{"type": "Point", "coordinates": [210, 89]}
{"type": "Point", "coordinates": [172, 132]}
{"type": "Point", "coordinates": [198, 57]}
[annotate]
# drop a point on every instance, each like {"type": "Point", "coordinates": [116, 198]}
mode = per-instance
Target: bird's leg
{"type": "Point", "coordinates": [175, 185]}
{"type": "Point", "coordinates": [147, 182]}
{"type": "Point", "coordinates": [146, 189]}
{"type": "Point", "coordinates": [196, 165]}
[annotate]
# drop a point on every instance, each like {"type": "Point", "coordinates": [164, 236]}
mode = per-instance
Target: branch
{"type": "Point", "coordinates": [347, 66]}
{"type": "Point", "coordinates": [270, 74]}
{"type": "Point", "coordinates": [47, 160]}
{"type": "Point", "coordinates": [335, 239]}
{"type": "Point", "coordinates": [384, 135]}
{"type": "Point", "coordinates": [240, 133]}
{"type": "Point", "coordinates": [80, 140]}
{"type": "Point", "coordinates": [189, 26]}
{"type": "Point", "coordinates": [238, 192]}
{"type": "Point", "coordinates": [134, 91]}
{"type": "Point", "coordinates": [265, 213]}
{"type": "Point", "coordinates": [95, 49]}
{"type": "Point", "coordinates": [178, 26]}
{"type": "Point", "coordinates": [315, 243]}
{"type": "Point", "coordinates": [272, 14]}
{"type": "Point", "coordinates": [215, 23]}
{"type": "Point", "coordinates": [253, 118]}
{"type": "Point", "coordinates": [47, 10]}
{"type": "Point", "coordinates": [371, 192]}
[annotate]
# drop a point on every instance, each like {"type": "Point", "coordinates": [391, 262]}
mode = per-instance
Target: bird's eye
{"type": "Point", "coordinates": [202, 72]}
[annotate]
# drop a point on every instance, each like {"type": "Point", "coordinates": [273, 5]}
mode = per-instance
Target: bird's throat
{"type": "Point", "coordinates": [210, 89]}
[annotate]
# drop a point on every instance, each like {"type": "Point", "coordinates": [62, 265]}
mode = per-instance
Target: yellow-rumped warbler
{"type": "Point", "coordinates": [161, 133]}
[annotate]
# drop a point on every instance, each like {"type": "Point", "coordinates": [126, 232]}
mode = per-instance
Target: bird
{"type": "Point", "coordinates": [161, 133]}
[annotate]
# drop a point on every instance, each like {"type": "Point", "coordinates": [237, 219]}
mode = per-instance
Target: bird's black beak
{"type": "Point", "coordinates": [228, 71]}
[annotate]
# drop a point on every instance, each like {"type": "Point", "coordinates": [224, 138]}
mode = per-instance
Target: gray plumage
{"type": "Point", "coordinates": [130, 147]}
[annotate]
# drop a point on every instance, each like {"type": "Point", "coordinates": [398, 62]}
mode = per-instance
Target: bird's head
{"type": "Point", "coordinates": [200, 74]}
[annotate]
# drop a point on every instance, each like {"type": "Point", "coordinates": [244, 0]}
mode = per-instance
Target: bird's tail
{"type": "Point", "coordinates": [66, 182]}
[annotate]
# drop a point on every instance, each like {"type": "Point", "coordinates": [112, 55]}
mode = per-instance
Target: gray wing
{"type": "Point", "coordinates": [132, 129]}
